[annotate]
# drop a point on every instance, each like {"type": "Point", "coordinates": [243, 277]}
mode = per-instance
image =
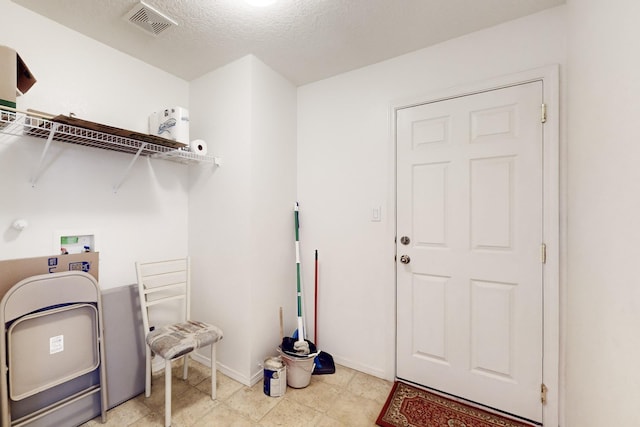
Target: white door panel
{"type": "Point", "coordinates": [469, 198]}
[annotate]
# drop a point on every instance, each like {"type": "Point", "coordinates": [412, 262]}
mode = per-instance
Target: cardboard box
{"type": "Point", "coordinates": [15, 77]}
{"type": "Point", "coordinates": [14, 270]}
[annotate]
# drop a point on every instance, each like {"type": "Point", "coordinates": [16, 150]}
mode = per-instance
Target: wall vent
{"type": "Point", "coordinates": [149, 19]}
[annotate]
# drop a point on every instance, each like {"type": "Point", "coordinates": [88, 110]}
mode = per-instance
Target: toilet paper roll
{"type": "Point", "coordinates": [198, 146]}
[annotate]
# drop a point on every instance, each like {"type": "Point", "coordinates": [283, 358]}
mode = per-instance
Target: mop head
{"type": "Point", "coordinates": [301, 347]}
{"type": "Point", "coordinates": [293, 347]}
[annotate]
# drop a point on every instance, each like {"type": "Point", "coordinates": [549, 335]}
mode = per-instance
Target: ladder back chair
{"type": "Point", "coordinates": [170, 333]}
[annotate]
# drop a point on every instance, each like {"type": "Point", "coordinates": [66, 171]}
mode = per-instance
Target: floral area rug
{"type": "Point", "coordinates": [408, 406]}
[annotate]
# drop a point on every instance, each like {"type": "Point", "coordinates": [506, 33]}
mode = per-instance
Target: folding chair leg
{"type": "Point", "coordinates": [213, 371]}
{"type": "Point", "coordinates": [167, 393]}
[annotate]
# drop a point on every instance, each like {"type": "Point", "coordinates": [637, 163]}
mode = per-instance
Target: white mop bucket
{"type": "Point", "coordinates": [299, 369]}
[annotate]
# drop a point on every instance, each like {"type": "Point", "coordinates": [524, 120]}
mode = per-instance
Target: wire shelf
{"type": "Point", "coordinates": [20, 124]}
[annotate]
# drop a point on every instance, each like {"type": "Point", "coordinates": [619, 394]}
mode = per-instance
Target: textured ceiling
{"type": "Point", "coordinates": [304, 40]}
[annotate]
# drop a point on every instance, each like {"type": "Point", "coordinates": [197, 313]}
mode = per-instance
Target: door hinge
{"type": "Point", "coordinates": [543, 113]}
{"type": "Point", "coordinates": [543, 253]}
{"type": "Point", "coordinates": [543, 393]}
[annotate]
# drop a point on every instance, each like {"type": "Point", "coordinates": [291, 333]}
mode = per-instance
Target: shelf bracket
{"type": "Point", "coordinates": [38, 171]}
{"type": "Point", "coordinates": [126, 172]}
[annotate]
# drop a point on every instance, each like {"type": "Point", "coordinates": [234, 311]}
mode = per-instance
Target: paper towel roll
{"type": "Point", "coordinates": [198, 146]}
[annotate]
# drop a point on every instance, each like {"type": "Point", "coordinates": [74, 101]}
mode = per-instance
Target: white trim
{"type": "Point", "coordinates": [224, 369]}
{"type": "Point", "coordinates": [549, 76]}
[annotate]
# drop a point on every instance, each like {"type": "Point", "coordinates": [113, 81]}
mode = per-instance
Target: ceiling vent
{"type": "Point", "coordinates": [149, 19]}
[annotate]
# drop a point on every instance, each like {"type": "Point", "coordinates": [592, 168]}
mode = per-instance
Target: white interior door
{"type": "Point", "coordinates": [469, 202]}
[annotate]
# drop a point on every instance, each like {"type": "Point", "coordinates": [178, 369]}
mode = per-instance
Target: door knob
{"type": "Point", "coordinates": [405, 259]}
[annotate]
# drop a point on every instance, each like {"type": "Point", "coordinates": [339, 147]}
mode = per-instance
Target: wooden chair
{"type": "Point", "coordinates": [170, 332]}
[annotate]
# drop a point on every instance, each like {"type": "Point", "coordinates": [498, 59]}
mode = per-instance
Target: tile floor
{"type": "Point", "coordinates": [346, 398]}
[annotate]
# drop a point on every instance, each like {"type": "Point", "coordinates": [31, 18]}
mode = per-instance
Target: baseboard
{"type": "Point", "coordinates": [231, 373]}
{"type": "Point", "coordinates": [349, 363]}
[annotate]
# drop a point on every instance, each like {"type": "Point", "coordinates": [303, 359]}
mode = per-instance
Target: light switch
{"type": "Point", "coordinates": [376, 214]}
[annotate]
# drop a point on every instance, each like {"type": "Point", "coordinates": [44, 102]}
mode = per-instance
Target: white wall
{"type": "Point", "coordinates": [147, 217]}
{"type": "Point", "coordinates": [602, 340]}
{"type": "Point", "coordinates": [346, 168]}
{"type": "Point", "coordinates": [218, 210]}
{"type": "Point", "coordinates": [235, 221]}
{"type": "Point", "coordinates": [241, 215]}
{"type": "Point", "coordinates": [273, 192]}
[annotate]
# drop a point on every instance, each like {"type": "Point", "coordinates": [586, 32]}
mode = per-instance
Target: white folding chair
{"type": "Point", "coordinates": [52, 335]}
{"type": "Point", "coordinates": [170, 332]}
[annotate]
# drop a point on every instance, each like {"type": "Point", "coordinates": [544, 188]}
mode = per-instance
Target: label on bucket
{"type": "Point", "coordinates": [275, 377]}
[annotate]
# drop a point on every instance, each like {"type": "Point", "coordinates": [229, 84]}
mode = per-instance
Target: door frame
{"type": "Point", "coordinates": [549, 76]}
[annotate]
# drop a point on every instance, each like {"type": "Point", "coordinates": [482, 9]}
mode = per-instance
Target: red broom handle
{"type": "Point", "coordinates": [315, 308]}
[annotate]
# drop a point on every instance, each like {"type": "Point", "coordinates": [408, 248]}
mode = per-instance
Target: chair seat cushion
{"type": "Point", "coordinates": [176, 340]}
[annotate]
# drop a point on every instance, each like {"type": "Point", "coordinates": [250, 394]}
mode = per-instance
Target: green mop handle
{"type": "Point", "coordinates": [300, 322]}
